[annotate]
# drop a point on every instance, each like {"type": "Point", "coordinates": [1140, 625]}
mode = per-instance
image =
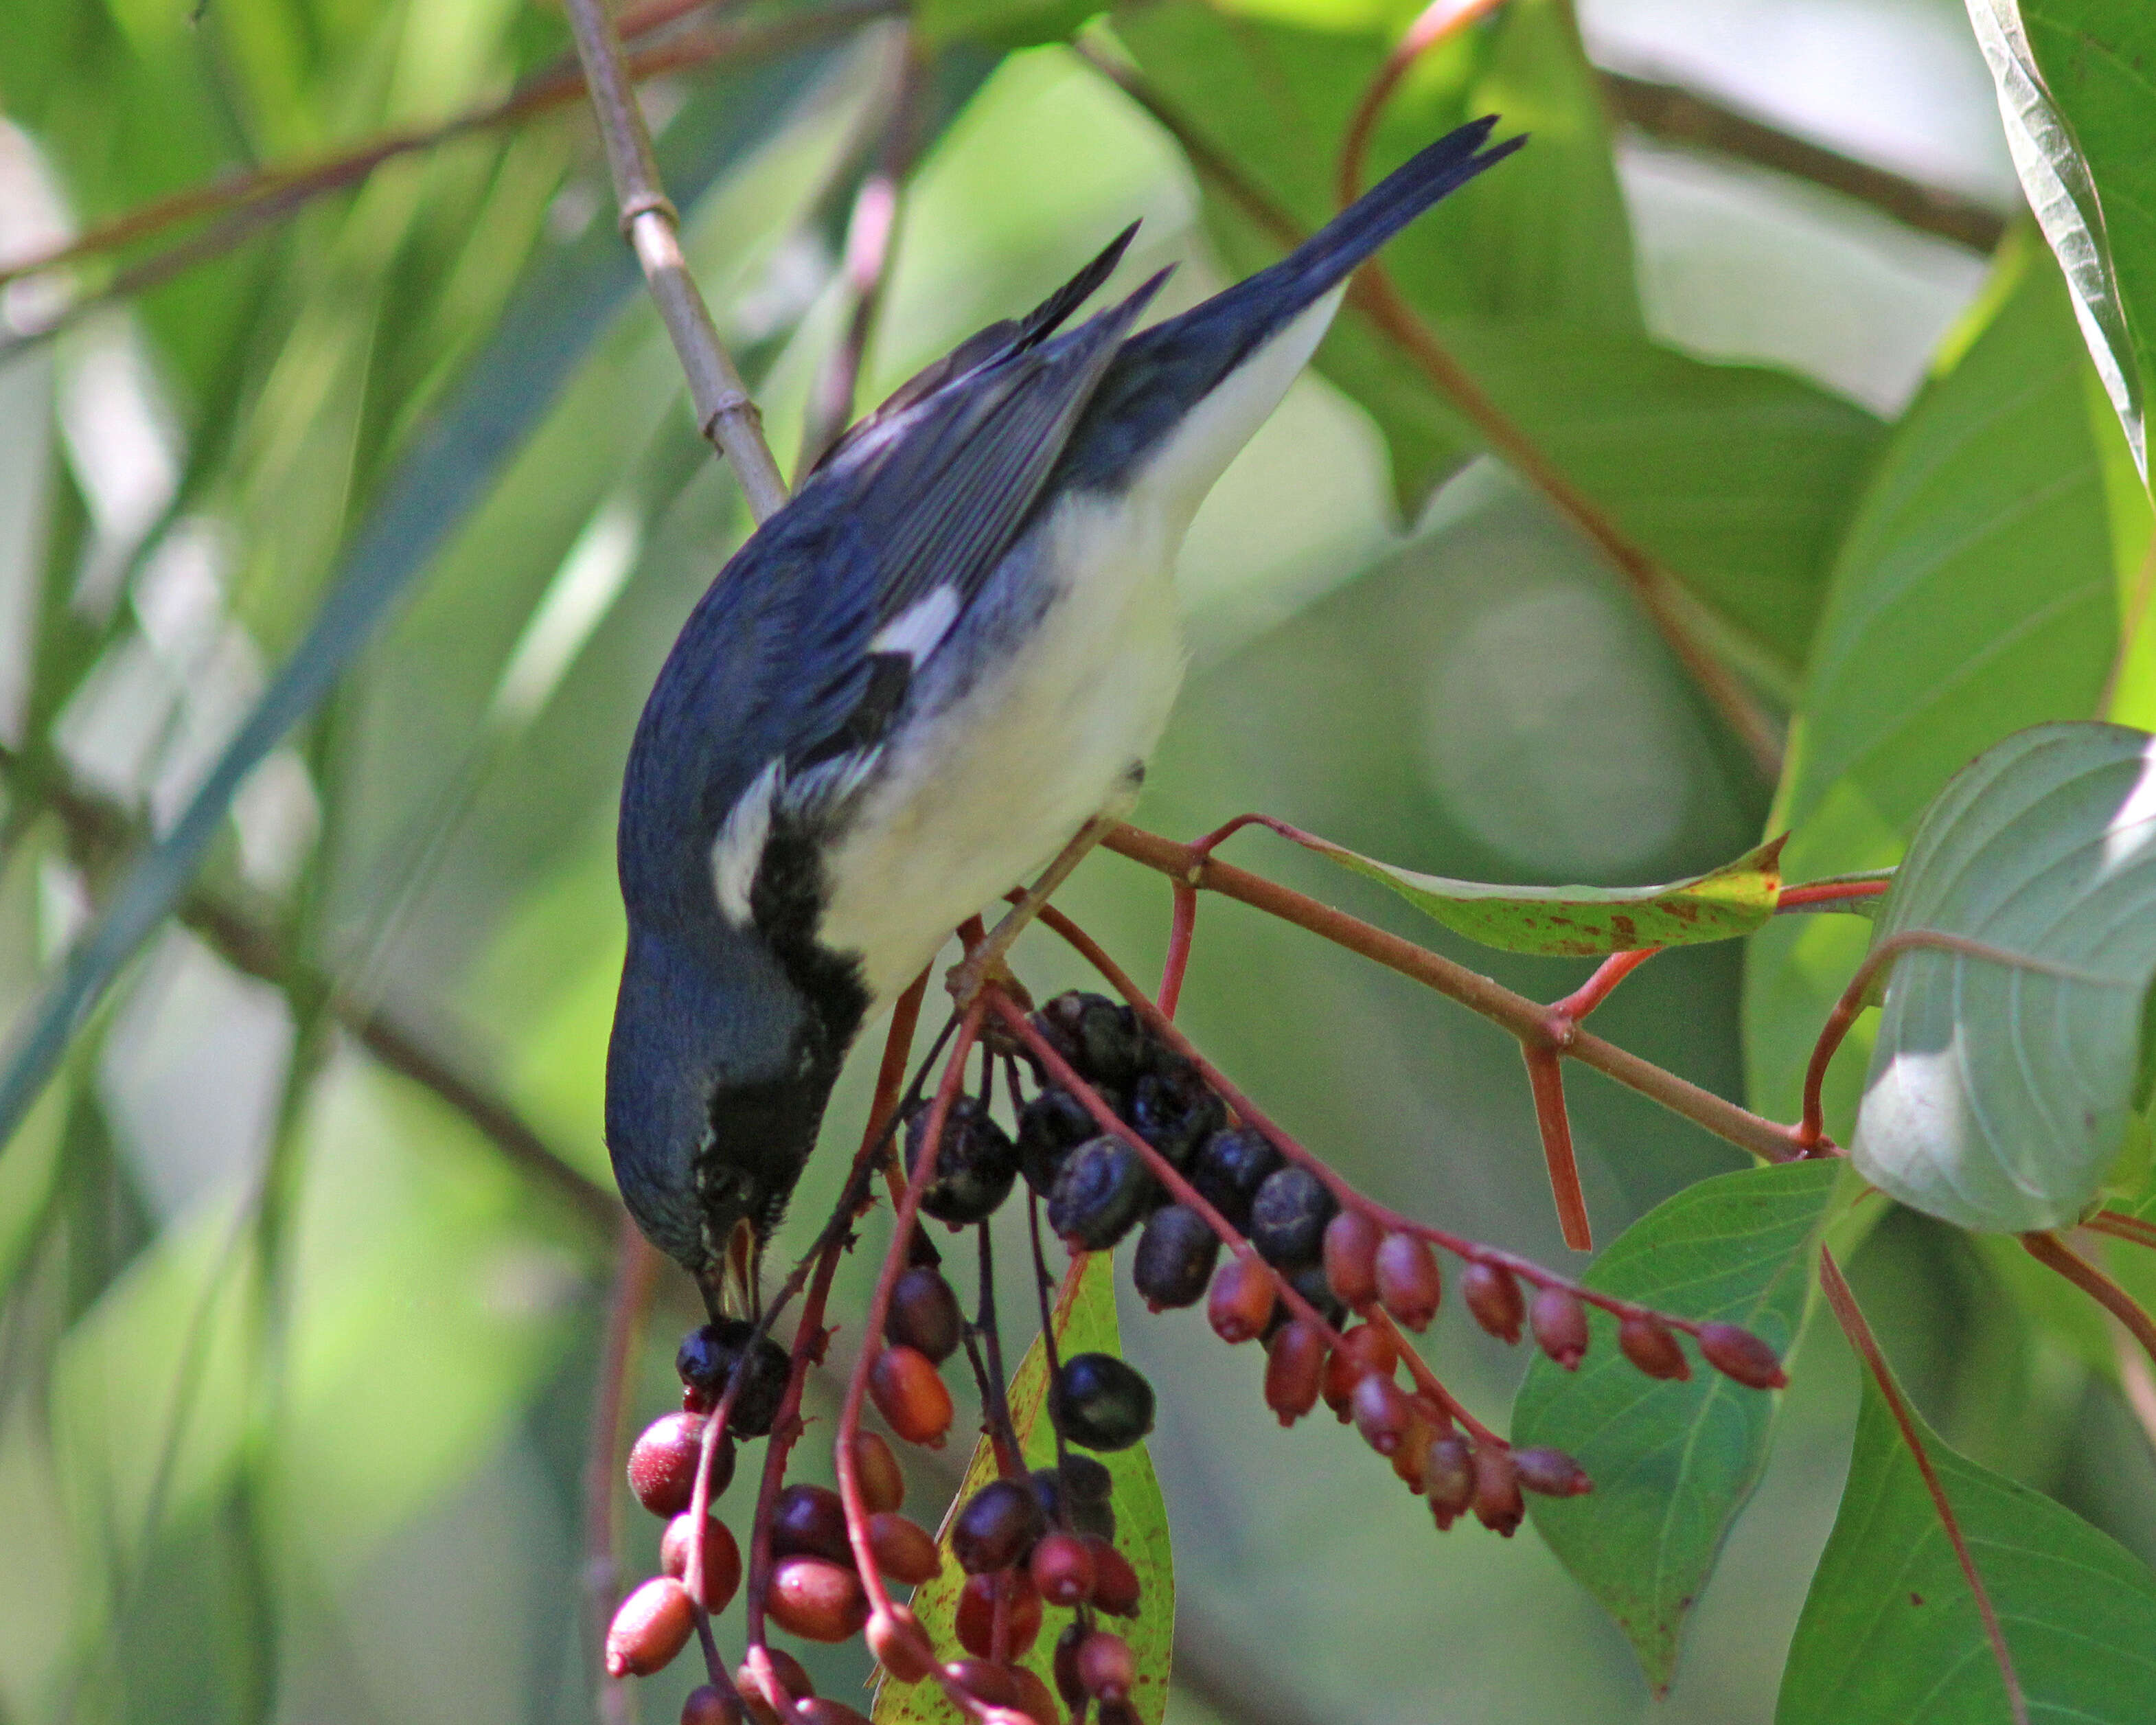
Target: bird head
{"type": "Point", "coordinates": [717, 1073]}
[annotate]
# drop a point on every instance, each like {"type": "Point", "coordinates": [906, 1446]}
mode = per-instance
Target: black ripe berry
{"type": "Point", "coordinates": [706, 1362]}
{"type": "Point", "coordinates": [1230, 1168]}
{"type": "Point", "coordinates": [1049, 1128]}
{"type": "Point", "coordinates": [1099, 1037]}
{"type": "Point", "coordinates": [1102, 1191]}
{"type": "Point", "coordinates": [1175, 1257]}
{"type": "Point", "coordinates": [1077, 1497]}
{"type": "Point", "coordinates": [1099, 1403]}
{"type": "Point", "coordinates": [974, 1168]}
{"type": "Point", "coordinates": [1288, 1218]}
{"type": "Point", "coordinates": [1173, 1110]}
{"type": "Point", "coordinates": [997, 1527]}
{"type": "Point", "coordinates": [924, 1314]}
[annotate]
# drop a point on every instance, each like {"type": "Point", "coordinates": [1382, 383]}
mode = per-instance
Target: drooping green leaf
{"type": "Point", "coordinates": [451, 464]}
{"type": "Point", "coordinates": [2076, 84]}
{"type": "Point", "coordinates": [1673, 1463]}
{"type": "Point", "coordinates": [2000, 1094]}
{"type": "Point", "coordinates": [1973, 596]}
{"type": "Point", "coordinates": [1890, 1634]}
{"type": "Point", "coordinates": [1585, 922]}
{"type": "Point", "coordinates": [1085, 1323]}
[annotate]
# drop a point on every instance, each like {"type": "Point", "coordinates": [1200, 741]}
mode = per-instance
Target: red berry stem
{"type": "Point", "coordinates": [995, 1393]}
{"type": "Point", "coordinates": [1182, 925]}
{"type": "Point", "coordinates": [1546, 1081]}
{"type": "Point", "coordinates": [1428, 1381]}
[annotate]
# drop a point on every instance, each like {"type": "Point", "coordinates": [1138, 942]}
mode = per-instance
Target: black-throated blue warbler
{"type": "Point", "coordinates": [948, 654]}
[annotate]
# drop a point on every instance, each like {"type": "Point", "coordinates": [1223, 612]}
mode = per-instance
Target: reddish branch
{"type": "Point", "coordinates": [1853, 1326]}
{"type": "Point", "coordinates": [636, 1273]}
{"type": "Point", "coordinates": [2055, 1253]}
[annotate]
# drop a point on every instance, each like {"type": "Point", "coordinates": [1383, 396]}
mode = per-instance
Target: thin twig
{"type": "Point", "coordinates": [1658, 593]}
{"type": "Point", "coordinates": [725, 411]}
{"type": "Point", "coordinates": [1440, 20]}
{"type": "Point", "coordinates": [635, 1275]}
{"type": "Point", "coordinates": [1676, 116]}
{"type": "Point", "coordinates": [2053, 1253]}
{"type": "Point", "coordinates": [1527, 1019]}
{"type": "Point", "coordinates": [1852, 1318]}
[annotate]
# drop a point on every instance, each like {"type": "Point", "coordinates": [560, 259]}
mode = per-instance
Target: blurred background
{"type": "Point", "coordinates": [304, 1250]}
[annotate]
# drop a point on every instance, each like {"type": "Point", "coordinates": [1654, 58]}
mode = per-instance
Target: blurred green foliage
{"type": "Point", "coordinates": [333, 568]}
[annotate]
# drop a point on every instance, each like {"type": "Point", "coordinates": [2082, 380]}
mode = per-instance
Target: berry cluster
{"type": "Point", "coordinates": [1120, 1127]}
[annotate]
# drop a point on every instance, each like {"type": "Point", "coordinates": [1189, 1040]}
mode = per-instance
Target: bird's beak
{"type": "Point", "coordinates": [743, 1260]}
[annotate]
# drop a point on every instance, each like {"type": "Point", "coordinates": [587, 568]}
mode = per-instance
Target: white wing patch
{"type": "Point", "coordinates": [738, 850]}
{"type": "Point", "coordinates": [916, 629]}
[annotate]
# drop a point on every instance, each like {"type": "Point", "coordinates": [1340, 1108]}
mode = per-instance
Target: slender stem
{"type": "Point", "coordinates": [1811, 1134]}
{"type": "Point", "coordinates": [1440, 20]}
{"type": "Point", "coordinates": [1822, 895]}
{"type": "Point", "coordinates": [1852, 1318]}
{"type": "Point", "coordinates": [725, 412]}
{"type": "Point", "coordinates": [1428, 1381]}
{"type": "Point", "coordinates": [1599, 987]}
{"type": "Point", "coordinates": [2055, 1253]}
{"type": "Point", "coordinates": [1546, 1079]}
{"type": "Point", "coordinates": [2122, 1227]}
{"type": "Point", "coordinates": [1181, 926]}
{"type": "Point", "coordinates": [635, 1276]}
{"type": "Point", "coordinates": [1526, 1018]}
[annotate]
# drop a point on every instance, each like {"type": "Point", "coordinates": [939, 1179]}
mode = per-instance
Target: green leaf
{"type": "Point", "coordinates": [2076, 96]}
{"type": "Point", "coordinates": [1001, 23]}
{"type": "Point", "coordinates": [1673, 1463]}
{"type": "Point", "coordinates": [1585, 922]}
{"type": "Point", "coordinates": [1999, 1095]}
{"type": "Point", "coordinates": [1973, 596]}
{"type": "Point", "coordinates": [1891, 1635]}
{"type": "Point", "coordinates": [1085, 1323]}
{"type": "Point", "coordinates": [450, 467]}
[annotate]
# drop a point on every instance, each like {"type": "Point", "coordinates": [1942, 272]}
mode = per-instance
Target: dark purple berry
{"type": "Point", "coordinates": [1102, 1191]}
{"type": "Point", "coordinates": [924, 1314]}
{"type": "Point", "coordinates": [1288, 1218]}
{"type": "Point", "coordinates": [997, 1527]}
{"type": "Point", "coordinates": [1175, 1257]}
{"type": "Point", "coordinates": [809, 1521]}
{"type": "Point", "coordinates": [706, 1362]}
{"type": "Point", "coordinates": [1230, 1168]}
{"type": "Point", "coordinates": [975, 1167]}
{"type": "Point", "coordinates": [1049, 1128]}
{"type": "Point", "coordinates": [1175, 1112]}
{"type": "Point", "coordinates": [1098, 1402]}
{"type": "Point", "coordinates": [1075, 1497]}
{"type": "Point", "coordinates": [1099, 1037]}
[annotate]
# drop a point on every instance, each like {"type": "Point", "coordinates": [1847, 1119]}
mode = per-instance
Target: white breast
{"type": "Point", "coordinates": [975, 800]}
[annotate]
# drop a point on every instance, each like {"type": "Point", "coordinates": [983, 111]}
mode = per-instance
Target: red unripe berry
{"type": "Point", "coordinates": [1034, 1703]}
{"type": "Point", "coordinates": [1062, 1568]}
{"type": "Point", "coordinates": [1106, 1666]}
{"type": "Point", "coordinates": [1448, 1477]}
{"type": "Point", "coordinates": [651, 1626]}
{"type": "Point", "coordinates": [1116, 1589]}
{"type": "Point", "coordinates": [1551, 1472]}
{"type": "Point", "coordinates": [1649, 1345]}
{"type": "Point", "coordinates": [985, 1681]}
{"type": "Point", "coordinates": [1414, 1447]}
{"type": "Point", "coordinates": [791, 1678]}
{"type": "Point", "coordinates": [1351, 1257]}
{"type": "Point", "coordinates": [820, 1710]}
{"type": "Point", "coordinates": [1560, 1326]}
{"type": "Point", "coordinates": [706, 1706]}
{"type": "Point", "coordinates": [1366, 1349]}
{"type": "Point", "coordinates": [809, 1521]}
{"type": "Point", "coordinates": [722, 1559]}
{"type": "Point", "coordinates": [905, 1550]}
{"type": "Point", "coordinates": [662, 1463]}
{"type": "Point", "coordinates": [1240, 1304]}
{"type": "Point", "coordinates": [1383, 1415]}
{"type": "Point", "coordinates": [1408, 1281]}
{"type": "Point", "coordinates": [1740, 1355]}
{"type": "Point", "coordinates": [914, 1401]}
{"type": "Point", "coordinates": [1295, 1365]}
{"type": "Point", "coordinates": [816, 1599]}
{"type": "Point", "coordinates": [883, 1486]}
{"type": "Point", "coordinates": [1492, 1294]}
{"type": "Point", "coordinates": [1498, 1503]}
{"type": "Point", "coordinates": [901, 1645]}
{"type": "Point", "coordinates": [977, 1613]}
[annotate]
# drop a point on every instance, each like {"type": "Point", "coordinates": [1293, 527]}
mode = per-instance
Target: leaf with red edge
{"type": "Point", "coordinates": [1585, 921]}
{"type": "Point", "coordinates": [1085, 1323]}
